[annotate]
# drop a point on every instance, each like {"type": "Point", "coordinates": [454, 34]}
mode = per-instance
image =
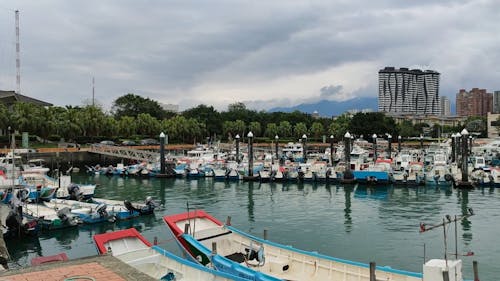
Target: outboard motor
{"type": "Point", "coordinates": [150, 206]}
{"type": "Point", "coordinates": [129, 206]}
{"type": "Point", "coordinates": [63, 213]}
{"type": "Point", "coordinates": [101, 210]}
{"type": "Point", "coordinates": [74, 192]}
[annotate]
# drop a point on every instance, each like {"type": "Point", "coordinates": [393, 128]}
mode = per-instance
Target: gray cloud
{"type": "Point", "coordinates": [218, 52]}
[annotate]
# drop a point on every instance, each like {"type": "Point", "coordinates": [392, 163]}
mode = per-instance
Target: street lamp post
{"type": "Point", "coordinates": [347, 149]}
{"type": "Point", "coordinates": [399, 143]}
{"type": "Point", "coordinates": [374, 137]}
{"type": "Point", "coordinates": [465, 136]}
{"type": "Point", "coordinates": [276, 138]}
{"type": "Point", "coordinates": [250, 154]}
{"type": "Point", "coordinates": [237, 137]}
{"type": "Point", "coordinates": [162, 153]}
{"type": "Point", "coordinates": [331, 150]}
{"type": "Point", "coordinates": [304, 148]}
{"type": "Point", "coordinates": [422, 142]}
{"type": "Point", "coordinates": [389, 146]}
{"type": "Point", "coordinates": [453, 137]}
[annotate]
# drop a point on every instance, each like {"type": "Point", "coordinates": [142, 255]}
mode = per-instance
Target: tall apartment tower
{"type": "Point", "coordinates": [445, 106]}
{"type": "Point", "coordinates": [477, 102]}
{"type": "Point", "coordinates": [408, 91]}
{"type": "Point", "coordinates": [496, 102]}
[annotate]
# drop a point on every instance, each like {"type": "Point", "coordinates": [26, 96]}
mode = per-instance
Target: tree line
{"type": "Point", "coordinates": [134, 117]}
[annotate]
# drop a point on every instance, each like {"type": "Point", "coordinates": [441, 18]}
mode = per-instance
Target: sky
{"type": "Point", "coordinates": [263, 53]}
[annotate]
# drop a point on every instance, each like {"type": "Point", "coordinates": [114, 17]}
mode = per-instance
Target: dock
{"type": "Point", "coordinates": [99, 268]}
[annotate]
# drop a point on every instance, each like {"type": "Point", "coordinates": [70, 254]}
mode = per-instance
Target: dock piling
{"type": "Point", "coordinates": [372, 271]}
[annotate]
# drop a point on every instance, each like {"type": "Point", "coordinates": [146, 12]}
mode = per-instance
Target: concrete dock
{"type": "Point", "coordinates": [99, 268]}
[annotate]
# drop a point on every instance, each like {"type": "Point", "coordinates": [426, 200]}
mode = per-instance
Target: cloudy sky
{"type": "Point", "coordinates": [263, 53]}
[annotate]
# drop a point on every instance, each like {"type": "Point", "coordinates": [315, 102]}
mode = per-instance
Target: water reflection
{"type": "Point", "coordinates": [463, 199]}
{"type": "Point", "coordinates": [250, 205]}
{"type": "Point", "coordinates": [162, 192]}
{"type": "Point", "coordinates": [64, 236]}
{"type": "Point", "coordinates": [347, 209]}
{"type": "Point", "coordinates": [20, 250]}
{"type": "Point", "coordinates": [372, 192]}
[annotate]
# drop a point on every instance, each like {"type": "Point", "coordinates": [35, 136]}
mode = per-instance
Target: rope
{"type": "Point", "coordinates": [79, 278]}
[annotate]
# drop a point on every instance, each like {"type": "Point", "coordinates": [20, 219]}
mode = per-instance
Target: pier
{"type": "Point", "coordinates": [125, 152]}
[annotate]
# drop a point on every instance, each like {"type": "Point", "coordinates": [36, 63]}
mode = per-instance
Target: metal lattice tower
{"type": "Point", "coordinates": [18, 55]}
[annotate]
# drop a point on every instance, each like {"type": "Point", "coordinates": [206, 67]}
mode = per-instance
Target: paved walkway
{"type": "Point", "coordinates": [99, 268]}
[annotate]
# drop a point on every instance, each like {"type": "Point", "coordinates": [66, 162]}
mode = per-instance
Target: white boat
{"type": "Point", "coordinates": [236, 251]}
{"type": "Point", "coordinates": [65, 188]}
{"type": "Point", "coordinates": [133, 249]}
{"type": "Point", "coordinates": [50, 218]}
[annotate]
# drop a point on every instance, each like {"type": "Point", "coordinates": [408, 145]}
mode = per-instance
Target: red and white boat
{"type": "Point", "coordinates": [132, 248]}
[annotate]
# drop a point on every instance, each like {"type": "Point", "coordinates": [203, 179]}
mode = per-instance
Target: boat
{"type": "Point", "coordinates": [130, 247]}
{"type": "Point", "coordinates": [49, 218]}
{"type": "Point", "coordinates": [89, 213]}
{"type": "Point", "coordinates": [197, 231]}
{"type": "Point", "coordinates": [63, 186]}
{"type": "Point", "coordinates": [134, 208]}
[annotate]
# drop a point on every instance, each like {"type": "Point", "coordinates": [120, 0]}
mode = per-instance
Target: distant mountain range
{"type": "Point", "coordinates": [332, 108]}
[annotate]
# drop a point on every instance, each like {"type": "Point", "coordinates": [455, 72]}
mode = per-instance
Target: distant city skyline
{"type": "Point", "coordinates": [265, 54]}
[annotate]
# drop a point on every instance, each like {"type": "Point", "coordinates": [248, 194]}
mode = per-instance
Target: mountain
{"type": "Point", "coordinates": [332, 108]}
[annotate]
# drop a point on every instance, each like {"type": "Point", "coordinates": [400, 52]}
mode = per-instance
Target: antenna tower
{"type": "Point", "coordinates": [93, 91]}
{"type": "Point", "coordinates": [18, 55]}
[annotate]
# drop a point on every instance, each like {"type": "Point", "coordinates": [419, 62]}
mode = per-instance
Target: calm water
{"type": "Point", "coordinates": [356, 223]}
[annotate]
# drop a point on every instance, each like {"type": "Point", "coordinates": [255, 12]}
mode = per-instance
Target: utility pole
{"type": "Point", "coordinates": [18, 55]}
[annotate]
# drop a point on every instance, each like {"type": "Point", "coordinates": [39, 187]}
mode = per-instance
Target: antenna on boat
{"type": "Point", "coordinates": [189, 218]}
{"type": "Point", "coordinates": [447, 220]}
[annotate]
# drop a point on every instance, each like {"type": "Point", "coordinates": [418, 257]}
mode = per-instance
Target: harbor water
{"type": "Point", "coordinates": [360, 223]}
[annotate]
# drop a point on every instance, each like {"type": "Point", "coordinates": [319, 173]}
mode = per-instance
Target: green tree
{"type": "Point", "coordinates": [339, 126]}
{"type": "Point", "coordinates": [406, 129]}
{"type": "Point", "coordinates": [300, 129]}
{"type": "Point", "coordinates": [317, 129]}
{"type": "Point", "coordinates": [127, 126]}
{"type": "Point", "coordinates": [148, 125]}
{"type": "Point", "coordinates": [271, 130]}
{"type": "Point", "coordinates": [285, 129]}
{"type": "Point", "coordinates": [208, 116]}
{"type": "Point", "coordinates": [255, 128]}
{"type": "Point", "coordinates": [133, 105]}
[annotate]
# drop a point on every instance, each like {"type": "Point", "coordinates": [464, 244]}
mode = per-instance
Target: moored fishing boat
{"type": "Point", "coordinates": [133, 249]}
{"type": "Point", "coordinates": [49, 218]}
{"type": "Point", "coordinates": [197, 231]}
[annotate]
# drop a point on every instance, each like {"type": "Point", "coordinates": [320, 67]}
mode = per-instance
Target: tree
{"type": "Point", "coordinates": [255, 128]}
{"type": "Point", "coordinates": [339, 126]}
{"type": "Point", "coordinates": [372, 123]}
{"type": "Point", "coordinates": [133, 105]}
{"type": "Point", "coordinates": [285, 129]}
{"type": "Point", "coordinates": [148, 125]}
{"type": "Point", "coordinates": [406, 129]}
{"type": "Point", "coordinates": [317, 129]}
{"type": "Point", "coordinates": [208, 116]}
{"type": "Point", "coordinates": [300, 129]}
{"type": "Point", "coordinates": [271, 130]}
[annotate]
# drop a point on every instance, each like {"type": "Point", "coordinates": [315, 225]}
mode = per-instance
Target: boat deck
{"type": "Point", "coordinates": [100, 268]}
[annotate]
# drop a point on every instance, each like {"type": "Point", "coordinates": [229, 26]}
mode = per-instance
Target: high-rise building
{"type": "Point", "coordinates": [496, 102]}
{"type": "Point", "coordinates": [477, 102]}
{"type": "Point", "coordinates": [445, 106]}
{"type": "Point", "coordinates": [408, 91]}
